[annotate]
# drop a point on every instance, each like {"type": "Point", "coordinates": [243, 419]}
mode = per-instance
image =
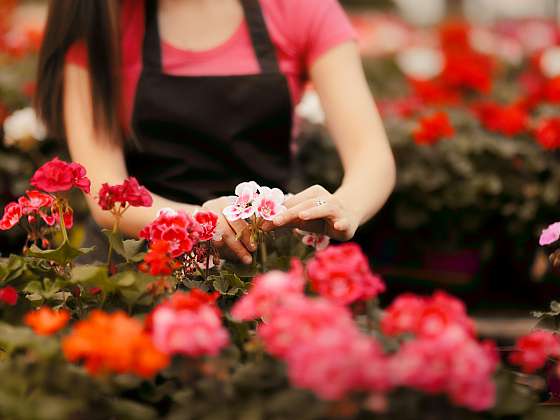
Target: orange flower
{"type": "Point", "coordinates": [113, 343]}
{"type": "Point", "coordinates": [46, 321]}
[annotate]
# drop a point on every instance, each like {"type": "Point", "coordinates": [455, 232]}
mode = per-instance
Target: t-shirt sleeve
{"type": "Point", "coordinates": [77, 54]}
{"type": "Point", "coordinates": [320, 25]}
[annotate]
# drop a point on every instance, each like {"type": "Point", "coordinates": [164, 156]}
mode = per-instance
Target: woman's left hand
{"type": "Point", "coordinates": [317, 210]}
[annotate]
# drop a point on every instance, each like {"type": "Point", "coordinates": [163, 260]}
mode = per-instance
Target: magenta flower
{"type": "Point", "coordinates": [550, 235]}
{"type": "Point", "coordinates": [241, 207]}
{"type": "Point", "coordinates": [269, 203]}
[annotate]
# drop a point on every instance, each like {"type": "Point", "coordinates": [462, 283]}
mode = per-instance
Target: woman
{"type": "Point", "coordinates": [193, 97]}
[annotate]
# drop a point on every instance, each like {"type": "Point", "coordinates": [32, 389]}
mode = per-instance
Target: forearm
{"type": "Point", "coordinates": [368, 181]}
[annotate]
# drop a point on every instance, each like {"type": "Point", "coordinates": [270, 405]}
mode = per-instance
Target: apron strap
{"type": "Point", "coordinates": [262, 44]}
{"type": "Point", "coordinates": [265, 51]}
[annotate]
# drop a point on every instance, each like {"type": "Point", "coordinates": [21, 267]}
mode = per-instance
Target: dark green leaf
{"type": "Point", "coordinates": [64, 254]}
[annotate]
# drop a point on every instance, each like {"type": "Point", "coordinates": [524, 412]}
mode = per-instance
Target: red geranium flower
{"type": "Point", "coordinates": [11, 217]}
{"type": "Point", "coordinates": [468, 69]}
{"type": "Point", "coordinates": [454, 35]}
{"type": "Point", "coordinates": [433, 128]}
{"type": "Point", "coordinates": [509, 120]}
{"type": "Point", "coordinates": [435, 92]}
{"type": "Point", "coordinates": [547, 133]}
{"type": "Point", "coordinates": [208, 221]}
{"type": "Point", "coordinates": [533, 350]}
{"type": "Point", "coordinates": [176, 227]}
{"type": "Point", "coordinates": [552, 90]}
{"type": "Point", "coordinates": [129, 193]}
{"type": "Point", "coordinates": [157, 261]}
{"type": "Point", "coordinates": [57, 175]}
{"type": "Point", "coordinates": [9, 295]}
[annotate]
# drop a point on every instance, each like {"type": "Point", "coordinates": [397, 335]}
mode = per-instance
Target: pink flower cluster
{"type": "Point", "coordinates": [251, 199]}
{"type": "Point", "coordinates": [189, 324]}
{"type": "Point", "coordinates": [129, 193]}
{"type": "Point", "coordinates": [341, 273]}
{"type": "Point", "coordinates": [53, 176]}
{"type": "Point", "coordinates": [181, 230]}
{"type": "Point", "coordinates": [444, 356]}
{"type": "Point", "coordinates": [533, 350]}
{"type": "Point", "coordinates": [316, 338]}
{"type": "Point", "coordinates": [57, 176]}
{"type": "Point", "coordinates": [550, 235]}
{"type": "Point", "coordinates": [35, 205]}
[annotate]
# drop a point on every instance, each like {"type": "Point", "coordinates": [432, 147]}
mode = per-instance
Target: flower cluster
{"type": "Point", "coordinates": [342, 274]}
{"type": "Point", "coordinates": [178, 228]}
{"type": "Point", "coordinates": [444, 356]}
{"type": "Point", "coordinates": [533, 350]}
{"type": "Point", "coordinates": [46, 321]}
{"type": "Point", "coordinates": [57, 176]}
{"type": "Point", "coordinates": [117, 198]}
{"type": "Point", "coordinates": [23, 129]}
{"type": "Point", "coordinates": [113, 343]}
{"type": "Point", "coordinates": [509, 120]}
{"type": "Point", "coordinates": [433, 128]}
{"type": "Point", "coordinates": [326, 353]}
{"type": "Point", "coordinates": [54, 176]}
{"type": "Point", "coordinates": [189, 324]}
{"type": "Point", "coordinates": [253, 200]}
{"type": "Point", "coordinates": [157, 261]}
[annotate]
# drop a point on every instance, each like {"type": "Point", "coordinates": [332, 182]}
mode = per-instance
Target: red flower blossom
{"type": "Point", "coordinates": [547, 133]}
{"type": "Point", "coordinates": [468, 70]}
{"type": "Point", "coordinates": [509, 120]}
{"type": "Point", "coordinates": [46, 321]}
{"type": "Point", "coordinates": [11, 217]}
{"type": "Point", "coordinates": [157, 261]}
{"type": "Point", "coordinates": [552, 90]}
{"type": "Point", "coordinates": [435, 92]}
{"type": "Point", "coordinates": [342, 274]}
{"type": "Point", "coordinates": [454, 36]}
{"type": "Point", "coordinates": [176, 227]}
{"type": "Point", "coordinates": [8, 295]}
{"type": "Point", "coordinates": [433, 128]}
{"type": "Point", "coordinates": [533, 350]}
{"type": "Point", "coordinates": [208, 221]}
{"type": "Point", "coordinates": [57, 175]}
{"type": "Point", "coordinates": [129, 193]}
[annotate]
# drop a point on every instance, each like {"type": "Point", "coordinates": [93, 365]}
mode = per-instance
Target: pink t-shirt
{"type": "Point", "coordinates": [301, 30]}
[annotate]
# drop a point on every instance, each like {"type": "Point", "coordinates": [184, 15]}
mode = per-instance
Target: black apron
{"type": "Point", "coordinates": [196, 138]}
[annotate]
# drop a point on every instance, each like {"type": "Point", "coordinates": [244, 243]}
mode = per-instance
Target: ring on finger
{"type": "Point", "coordinates": [320, 203]}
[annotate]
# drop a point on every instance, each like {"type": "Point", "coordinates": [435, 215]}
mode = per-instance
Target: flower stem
{"type": "Point", "coordinates": [113, 232]}
{"type": "Point", "coordinates": [62, 224]}
{"type": "Point", "coordinates": [264, 252]}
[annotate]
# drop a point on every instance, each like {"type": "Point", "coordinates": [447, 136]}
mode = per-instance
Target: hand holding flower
{"type": "Point", "coordinates": [317, 210]}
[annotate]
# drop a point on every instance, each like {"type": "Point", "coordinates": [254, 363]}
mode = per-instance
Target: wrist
{"type": "Point", "coordinates": [351, 204]}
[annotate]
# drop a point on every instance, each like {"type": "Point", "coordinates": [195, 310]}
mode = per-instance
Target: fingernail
{"type": "Point", "coordinates": [278, 220]}
{"type": "Point", "coordinates": [303, 216]}
{"type": "Point", "coordinates": [253, 247]}
{"type": "Point", "coordinates": [247, 260]}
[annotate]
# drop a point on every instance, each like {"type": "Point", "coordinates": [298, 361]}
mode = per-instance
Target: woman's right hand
{"type": "Point", "coordinates": [235, 236]}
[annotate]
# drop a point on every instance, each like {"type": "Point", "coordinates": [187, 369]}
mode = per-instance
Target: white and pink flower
{"type": "Point", "coordinates": [241, 207]}
{"type": "Point", "coordinates": [269, 203]}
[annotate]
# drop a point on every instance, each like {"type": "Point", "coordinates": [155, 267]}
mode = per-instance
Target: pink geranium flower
{"type": "Point", "coordinates": [189, 324]}
{"type": "Point", "coordinates": [129, 193]}
{"type": "Point", "coordinates": [267, 291]}
{"type": "Point", "coordinates": [208, 221]}
{"type": "Point", "coordinates": [57, 175]}
{"type": "Point", "coordinates": [341, 273]}
{"type": "Point", "coordinates": [533, 350]}
{"type": "Point", "coordinates": [241, 207]}
{"type": "Point", "coordinates": [315, 240]}
{"type": "Point", "coordinates": [550, 235]}
{"type": "Point", "coordinates": [12, 215]}
{"type": "Point", "coordinates": [269, 203]}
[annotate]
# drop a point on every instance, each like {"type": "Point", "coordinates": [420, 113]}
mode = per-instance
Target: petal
{"type": "Point", "coordinates": [231, 213]}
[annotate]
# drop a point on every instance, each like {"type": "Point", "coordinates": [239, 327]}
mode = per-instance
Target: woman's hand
{"type": "Point", "coordinates": [235, 236]}
{"type": "Point", "coordinates": [317, 210]}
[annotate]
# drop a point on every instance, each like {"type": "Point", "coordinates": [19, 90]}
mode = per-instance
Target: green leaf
{"type": "Point", "coordinates": [92, 275]}
{"type": "Point", "coordinates": [46, 290]}
{"type": "Point", "coordinates": [12, 269]}
{"type": "Point", "coordinates": [130, 249]}
{"type": "Point", "coordinates": [64, 254]}
{"type": "Point", "coordinates": [511, 397]}
{"type": "Point", "coordinates": [220, 284]}
{"type": "Point", "coordinates": [132, 287]}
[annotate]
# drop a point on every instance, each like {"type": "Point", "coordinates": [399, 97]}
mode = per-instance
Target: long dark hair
{"type": "Point", "coordinates": [96, 24]}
